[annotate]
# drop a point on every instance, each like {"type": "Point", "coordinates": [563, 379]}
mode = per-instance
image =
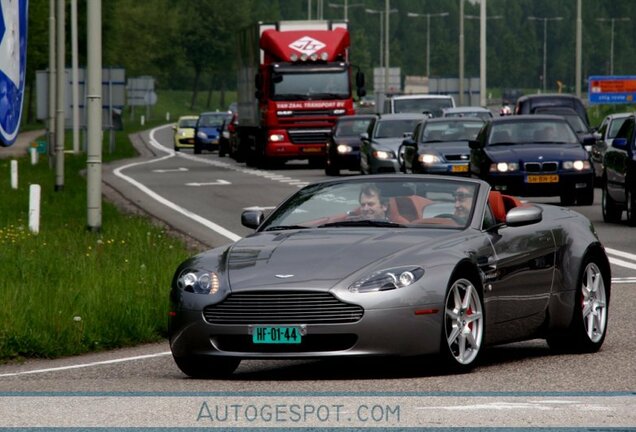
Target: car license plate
{"type": "Point", "coordinates": [546, 178]}
{"type": "Point", "coordinates": [311, 150]}
{"type": "Point", "coordinates": [276, 335]}
{"type": "Point", "coordinates": [459, 168]}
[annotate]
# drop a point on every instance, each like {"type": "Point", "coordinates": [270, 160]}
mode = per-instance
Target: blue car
{"type": "Point", "coordinates": [533, 155]}
{"type": "Point", "coordinates": [208, 130]}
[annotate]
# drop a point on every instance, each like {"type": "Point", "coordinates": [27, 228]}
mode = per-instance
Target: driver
{"type": "Point", "coordinates": [372, 205]}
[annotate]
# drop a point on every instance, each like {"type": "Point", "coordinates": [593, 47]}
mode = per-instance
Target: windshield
{"type": "Point", "coordinates": [352, 127]}
{"type": "Point", "coordinates": [187, 123]}
{"type": "Point", "coordinates": [451, 131]}
{"type": "Point", "coordinates": [382, 203]}
{"type": "Point", "coordinates": [311, 85]}
{"type": "Point", "coordinates": [524, 132]}
{"type": "Point", "coordinates": [615, 126]}
{"type": "Point", "coordinates": [394, 128]}
{"type": "Point", "coordinates": [215, 120]}
{"type": "Point", "coordinates": [422, 105]}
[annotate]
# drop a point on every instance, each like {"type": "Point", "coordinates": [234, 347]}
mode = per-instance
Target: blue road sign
{"type": "Point", "coordinates": [612, 89]}
{"type": "Point", "coordinates": [13, 44]}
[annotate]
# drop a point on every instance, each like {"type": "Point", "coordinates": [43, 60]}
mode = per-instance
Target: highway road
{"type": "Point", "coordinates": [520, 385]}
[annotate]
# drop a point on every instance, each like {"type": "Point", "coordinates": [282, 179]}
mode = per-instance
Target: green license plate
{"type": "Point", "coordinates": [276, 335]}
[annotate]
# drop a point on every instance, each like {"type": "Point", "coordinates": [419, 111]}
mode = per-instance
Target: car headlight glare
{"type": "Point", "coordinates": [504, 167]}
{"type": "Point", "coordinates": [339, 112]}
{"type": "Point", "coordinates": [276, 137]}
{"type": "Point", "coordinates": [388, 279]}
{"type": "Point", "coordinates": [202, 135]}
{"type": "Point", "coordinates": [577, 165]}
{"type": "Point", "coordinates": [429, 159]}
{"type": "Point", "coordinates": [344, 149]}
{"type": "Point", "coordinates": [383, 155]}
{"type": "Point", "coordinates": [198, 281]}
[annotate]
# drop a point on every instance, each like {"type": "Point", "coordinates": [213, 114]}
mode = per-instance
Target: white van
{"type": "Point", "coordinates": [431, 104]}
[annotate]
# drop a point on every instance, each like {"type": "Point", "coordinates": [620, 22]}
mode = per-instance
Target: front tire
{"type": "Point", "coordinates": [589, 323]}
{"type": "Point", "coordinates": [586, 196]}
{"type": "Point", "coordinates": [463, 327]}
{"type": "Point", "coordinates": [207, 367]}
{"type": "Point", "coordinates": [611, 211]}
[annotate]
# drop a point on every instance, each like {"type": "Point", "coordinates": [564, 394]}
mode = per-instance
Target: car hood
{"type": "Point", "coordinates": [455, 147]}
{"type": "Point", "coordinates": [210, 131]}
{"type": "Point", "coordinates": [536, 152]}
{"type": "Point", "coordinates": [348, 140]}
{"type": "Point", "coordinates": [387, 143]}
{"type": "Point", "coordinates": [318, 258]}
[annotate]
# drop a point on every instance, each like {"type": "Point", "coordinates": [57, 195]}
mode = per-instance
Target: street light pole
{"type": "Point", "coordinates": [545, 43]}
{"type": "Point", "coordinates": [428, 34]}
{"type": "Point", "coordinates": [346, 7]}
{"type": "Point", "coordinates": [612, 20]}
{"type": "Point", "coordinates": [483, 100]}
{"type": "Point", "coordinates": [384, 40]}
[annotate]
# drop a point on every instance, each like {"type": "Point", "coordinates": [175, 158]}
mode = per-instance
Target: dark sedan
{"type": "Point", "coordinates": [534, 155]}
{"type": "Point", "coordinates": [619, 174]}
{"type": "Point", "coordinates": [343, 146]}
{"type": "Point", "coordinates": [440, 146]}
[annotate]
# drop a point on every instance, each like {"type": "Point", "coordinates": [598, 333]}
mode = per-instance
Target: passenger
{"type": "Point", "coordinates": [463, 203]}
{"type": "Point", "coordinates": [372, 205]}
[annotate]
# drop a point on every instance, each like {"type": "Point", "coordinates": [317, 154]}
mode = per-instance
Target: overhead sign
{"type": "Point", "coordinates": [610, 89]}
{"type": "Point", "coordinates": [13, 42]}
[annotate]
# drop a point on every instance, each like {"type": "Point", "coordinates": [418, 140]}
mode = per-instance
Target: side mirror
{"type": "Point", "coordinates": [174, 127]}
{"type": "Point", "coordinates": [360, 80]}
{"type": "Point", "coordinates": [620, 143]}
{"type": "Point", "coordinates": [364, 136]}
{"type": "Point", "coordinates": [409, 142]}
{"type": "Point", "coordinates": [252, 218]}
{"type": "Point", "coordinates": [361, 92]}
{"type": "Point", "coordinates": [524, 215]}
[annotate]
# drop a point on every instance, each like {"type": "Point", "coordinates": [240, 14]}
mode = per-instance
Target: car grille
{"type": "Point", "coordinates": [310, 343]}
{"type": "Point", "coordinates": [541, 166]}
{"type": "Point", "coordinates": [269, 307]}
{"type": "Point", "coordinates": [309, 136]}
{"type": "Point", "coordinates": [457, 157]}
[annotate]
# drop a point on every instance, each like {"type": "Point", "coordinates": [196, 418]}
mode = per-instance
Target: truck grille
{"type": "Point", "coordinates": [309, 136]}
{"type": "Point", "coordinates": [541, 166]}
{"type": "Point", "coordinates": [276, 307]}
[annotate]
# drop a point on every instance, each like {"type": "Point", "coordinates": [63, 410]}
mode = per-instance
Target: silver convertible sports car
{"type": "Point", "coordinates": [392, 265]}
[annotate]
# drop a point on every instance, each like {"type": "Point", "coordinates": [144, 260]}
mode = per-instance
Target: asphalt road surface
{"type": "Point", "coordinates": [517, 385]}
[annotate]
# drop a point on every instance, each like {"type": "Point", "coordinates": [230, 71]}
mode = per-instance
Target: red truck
{"type": "Point", "coordinates": [294, 81]}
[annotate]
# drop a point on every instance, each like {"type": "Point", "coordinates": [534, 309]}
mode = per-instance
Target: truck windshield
{"type": "Point", "coordinates": [312, 85]}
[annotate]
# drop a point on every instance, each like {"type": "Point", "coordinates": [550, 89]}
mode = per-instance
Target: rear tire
{"type": "Point", "coordinates": [463, 326]}
{"type": "Point", "coordinates": [587, 331]}
{"type": "Point", "coordinates": [611, 211]}
{"type": "Point", "coordinates": [586, 196]}
{"type": "Point", "coordinates": [331, 169]}
{"type": "Point", "coordinates": [207, 367]}
{"type": "Point", "coordinates": [630, 205]}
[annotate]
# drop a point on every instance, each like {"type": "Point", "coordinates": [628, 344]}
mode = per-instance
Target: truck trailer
{"type": "Point", "coordinates": [294, 81]}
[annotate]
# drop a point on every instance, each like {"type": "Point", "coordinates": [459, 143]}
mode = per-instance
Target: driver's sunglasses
{"type": "Point", "coordinates": [460, 196]}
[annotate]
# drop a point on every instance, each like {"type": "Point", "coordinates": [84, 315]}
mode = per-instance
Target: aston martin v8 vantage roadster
{"type": "Point", "coordinates": [392, 265]}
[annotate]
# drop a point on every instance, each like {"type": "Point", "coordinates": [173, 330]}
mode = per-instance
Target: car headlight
{"type": "Point", "coordinates": [198, 281]}
{"type": "Point", "coordinates": [388, 279]}
{"type": "Point", "coordinates": [202, 135]}
{"type": "Point", "coordinates": [577, 165]}
{"type": "Point", "coordinates": [344, 149]}
{"type": "Point", "coordinates": [276, 137]}
{"type": "Point", "coordinates": [383, 154]}
{"type": "Point", "coordinates": [429, 159]}
{"type": "Point", "coordinates": [504, 167]}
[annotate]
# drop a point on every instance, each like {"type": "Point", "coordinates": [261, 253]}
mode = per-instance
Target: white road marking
{"type": "Point", "coordinates": [85, 365]}
{"type": "Point", "coordinates": [216, 183]}
{"type": "Point", "coordinates": [170, 170]}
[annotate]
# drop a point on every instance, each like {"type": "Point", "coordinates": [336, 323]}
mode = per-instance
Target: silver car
{"type": "Point", "coordinates": [380, 145]}
{"type": "Point", "coordinates": [448, 268]}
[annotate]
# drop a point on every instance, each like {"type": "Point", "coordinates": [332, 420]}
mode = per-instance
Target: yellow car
{"type": "Point", "coordinates": [184, 132]}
